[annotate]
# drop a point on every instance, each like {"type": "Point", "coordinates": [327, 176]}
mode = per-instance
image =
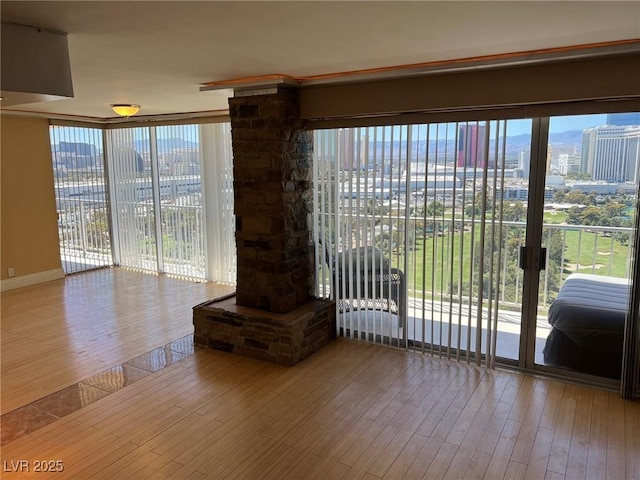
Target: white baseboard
{"type": "Point", "coordinates": [33, 279]}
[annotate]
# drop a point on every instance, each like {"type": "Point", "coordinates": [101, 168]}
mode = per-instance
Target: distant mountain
{"type": "Point", "coordinates": [515, 144]}
{"type": "Point", "coordinates": [570, 137]}
{"type": "Point", "coordinates": [165, 144]}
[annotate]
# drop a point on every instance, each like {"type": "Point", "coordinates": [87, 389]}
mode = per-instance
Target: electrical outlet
{"type": "Point", "coordinates": [11, 272]}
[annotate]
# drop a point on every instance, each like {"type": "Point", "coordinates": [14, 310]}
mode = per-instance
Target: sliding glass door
{"type": "Point", "coordinates": [430, 218]}
{"type": "Point", "coordinates": [591, 174]}
{"type": "Point", "coordinates": [482, 223]}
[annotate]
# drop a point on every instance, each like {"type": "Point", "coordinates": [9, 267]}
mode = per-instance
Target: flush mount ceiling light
{"type": "Point", "coordinates": [125, 109]}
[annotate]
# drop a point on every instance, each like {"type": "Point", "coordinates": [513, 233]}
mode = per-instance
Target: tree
{"type": "Point", "coordinates": [555, 267]}
{"type": "Point", "coordinates": [574, 216]}
{"type": "Point", "coordinates": [476, 207]}
{"type": "Point", "coordinates": [578, 176]}
{"type": "Point", "coordinates": [624, 237]}
{"type": "Point", "coordinates": [592, 216]}
{"type": "Point", "coordinates": [560, 196]}
{"type": "Point", "coordinates": [98, 229]}
{"type": "Point", "coordinates": [435, 209]}
{"type": "Point", "coordinates": [614, 214]}
{"type": "Point", "coordinates": [508, 254]}
{"type": "Point", "coordinates": [372, 207]}
{"type": "Point", "coordinates": [514, 212]}
{"type": "Point", "coordinates": [577, 197]}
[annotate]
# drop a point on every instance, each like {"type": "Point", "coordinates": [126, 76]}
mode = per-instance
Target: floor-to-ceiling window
{"type": "Point", "coordinates": [476, 217]}
{"type": "Point", "coordinates": [81, 197]}
{"type": "Point", "coordinates": [159, 199]}
{"type": "Point", "coordinates": [170, 193]}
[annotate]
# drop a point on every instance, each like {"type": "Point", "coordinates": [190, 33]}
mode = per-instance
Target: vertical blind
{"type": "Point", "coordinates": [357, 222]}
{"type": "Point", "coordinates": [134, 198]}
{"type": "Point", "coordinates": [411, 237]}
{"type": "Point", "coordinates": [158, 192]}
{"type": "Point", "coordinates": [217, 167]}
{"type": "Point", "coordinates": [630, 381]}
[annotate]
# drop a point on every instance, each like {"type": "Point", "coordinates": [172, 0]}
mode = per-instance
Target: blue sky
{"type": "Point", "coordinates": [576, 122]}
{"type": "Point", "coordinates": [515, 127]}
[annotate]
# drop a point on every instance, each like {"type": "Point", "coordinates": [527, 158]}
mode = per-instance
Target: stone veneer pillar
{"type": "Point", "coordinates": [272, 162]}
{"type": "Point", "coordinates": [272, 316]}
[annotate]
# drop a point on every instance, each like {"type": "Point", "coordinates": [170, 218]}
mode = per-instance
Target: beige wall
{"type": "Point", "coordinates": [28, 221]}
{"type": "Point", "coordinates": [577, 86]}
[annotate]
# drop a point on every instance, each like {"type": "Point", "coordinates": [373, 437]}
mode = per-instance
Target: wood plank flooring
{"type": "Point", "coordinates": [59, 333]}
{"type": "Point", "coordinates": [352, 410]}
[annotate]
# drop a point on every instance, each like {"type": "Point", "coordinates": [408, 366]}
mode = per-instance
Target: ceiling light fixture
{"type": "Point", "coordinates": [125, 109]}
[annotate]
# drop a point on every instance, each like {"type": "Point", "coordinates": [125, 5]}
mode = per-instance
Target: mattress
{"type": "Point", "coordinates": [590, 310]}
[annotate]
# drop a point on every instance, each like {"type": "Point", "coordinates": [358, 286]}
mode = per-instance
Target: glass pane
{"type": "Point", "coordinates": [180, 182]}
{"type": "Point", "coordinates": [157, 180]}
{"type": "Point", "coordinates": [469, 185]}
{"type": "Point", "coordinates": [443, 203]}
{"type": "Point", "coordinates": [81, 198]}
{"type": "Point", "coordinates": [133, 205]}
{"type": "Point", "coordinates": [592, 176]}
{"type": "Point", "coordinates": [361, 218]}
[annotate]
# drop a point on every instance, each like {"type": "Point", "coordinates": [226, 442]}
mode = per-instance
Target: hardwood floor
{"type": "Point", "coordinates": [351, 410]}
{"type": "Point", "coordinates": [61, 332]}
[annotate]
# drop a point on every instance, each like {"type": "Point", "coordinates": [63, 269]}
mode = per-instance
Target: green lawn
{"type": "Point", "coordinates": [432, 262]}
{"type": "Point", "coordinates": [611, 257]}
{"type": "Point", "coordinates": [432, 265]}
{"type": "Point", "coordinates": [554, 217]}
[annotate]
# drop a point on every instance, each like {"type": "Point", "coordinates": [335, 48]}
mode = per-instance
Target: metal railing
{"type": "Point", "coordinates": [600, 250]}
{"type": "Point", "coordinates": [83, 229]}
{"type": "Point", "coordinates": [183, 246]}
{"type": "Point", "coordinates": [85, 237]}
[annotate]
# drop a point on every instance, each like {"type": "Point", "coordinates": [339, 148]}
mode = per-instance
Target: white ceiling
{"type": "Point", "coordinates": [157, 54]}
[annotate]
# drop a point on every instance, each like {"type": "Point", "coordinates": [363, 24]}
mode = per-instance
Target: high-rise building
{"type": "Point", "coordinates": [568, 163]}
{"type": "Point", "coordinates": [349, 159]}
{"type": "Point", "coordinates": [472, 145]}
{"type": "Point", "coordinates": [622, 119]}
{"type": "Point", "coordinates": [524, 163]}
{"type": "Point", "coordinates": [611, 153]}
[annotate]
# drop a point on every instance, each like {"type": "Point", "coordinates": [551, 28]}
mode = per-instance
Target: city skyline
{"type": "Point", "coordinates": [515, 127]}
{"type": "Point", "coordinates": [435, 141]}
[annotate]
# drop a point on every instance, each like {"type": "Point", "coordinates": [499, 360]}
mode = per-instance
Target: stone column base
{"type": "Point", "coordinates": [285, 339]}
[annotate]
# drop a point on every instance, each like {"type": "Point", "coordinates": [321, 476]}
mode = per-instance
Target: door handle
{"type": "Point", "coordinates": [522, 258]}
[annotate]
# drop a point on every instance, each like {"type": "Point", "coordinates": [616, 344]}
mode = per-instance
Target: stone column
{"type": "Point", "coordinates": [272, 162]}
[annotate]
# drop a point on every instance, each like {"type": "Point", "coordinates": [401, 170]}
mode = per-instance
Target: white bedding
{"type": "Point", "coordinates": [591, 310]}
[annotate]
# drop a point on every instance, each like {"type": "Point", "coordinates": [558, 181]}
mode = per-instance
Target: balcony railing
{"type": "Point", "coordinates": [83, 229]}
{"type": "Point", "coordinates": [183, 240]}
{"type": "Point", "coordinates": [86, 243]}
{"type": "Point", "coordinates": [570, 248]}
{"type": "Point", "coordinates": [600, 250]}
